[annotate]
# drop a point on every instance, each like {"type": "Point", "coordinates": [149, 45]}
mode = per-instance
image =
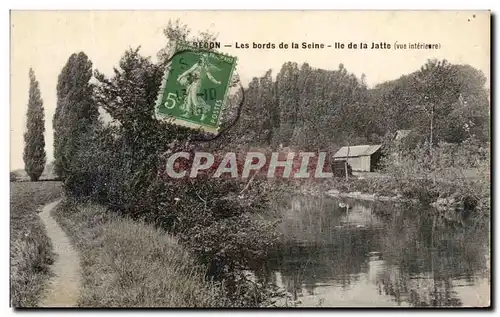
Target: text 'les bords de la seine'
{"type": "Point", "coordinates": [383, 45]}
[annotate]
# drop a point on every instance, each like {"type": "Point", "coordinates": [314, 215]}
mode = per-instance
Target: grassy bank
{"type": "Point", "coordinates": [30, 248]}
{"type": "Point", "coordinates": [126, 263]}
{"type": "Point", "coordinates": [468, 196]}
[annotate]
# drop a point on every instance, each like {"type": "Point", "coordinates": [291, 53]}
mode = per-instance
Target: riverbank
{"type": "Point", "coordinates": [31, 251]}
{"type": "Point", "coordinates": [356, 195]}
{"type": "Point", "coordinates": [468, 195]}
{"type": "Point", "coordinates": [126, 263]}
{"type": "Point", "coordinates": [356, 188]}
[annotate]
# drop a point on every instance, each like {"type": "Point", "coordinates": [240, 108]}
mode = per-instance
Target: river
{"type": "Point", "coordinates": [348, 253]}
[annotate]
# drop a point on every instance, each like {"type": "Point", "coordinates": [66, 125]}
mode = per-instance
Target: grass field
{"type": "Point", "coordinates": [30, 248]}
{"type": "Point", "coordinates": [127, 263]}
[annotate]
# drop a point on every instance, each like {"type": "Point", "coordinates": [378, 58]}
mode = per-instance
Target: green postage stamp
{"type": "Point", "coordinates": [194, 88]}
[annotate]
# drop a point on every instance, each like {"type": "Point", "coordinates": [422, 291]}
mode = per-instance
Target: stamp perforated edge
{"type": "Point", "coordinates": [188, 124]}
{"type": "Point", "coordinates": [228, 87]}
{"type": "Point", "coordinates": [159, 96]}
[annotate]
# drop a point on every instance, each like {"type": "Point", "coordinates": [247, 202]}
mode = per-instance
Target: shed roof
{"type": "Point", "coordinates": [357, 150]}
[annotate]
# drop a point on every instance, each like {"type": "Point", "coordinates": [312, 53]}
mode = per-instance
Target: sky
{"type": "Point", "coordinates": [44, 40]}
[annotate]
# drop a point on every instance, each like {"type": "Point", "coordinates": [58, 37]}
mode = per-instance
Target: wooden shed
{"type": "Point", "coordinates": [362, 158]}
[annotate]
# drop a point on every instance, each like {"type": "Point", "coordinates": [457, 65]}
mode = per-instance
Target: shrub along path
{"type": "Point", "coordinates": [63, 288]}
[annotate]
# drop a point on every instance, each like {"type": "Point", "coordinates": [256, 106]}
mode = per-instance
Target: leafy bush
{"type": "Point", "coordinates": [457, 172]}
{"type": "Point", "coordinates": [122, 167]}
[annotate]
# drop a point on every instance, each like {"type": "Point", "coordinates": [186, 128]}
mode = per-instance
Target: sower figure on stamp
{"type": "Point", "coordinates": [192, 79]}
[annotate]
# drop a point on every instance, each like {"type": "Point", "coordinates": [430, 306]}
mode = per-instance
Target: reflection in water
{"type": "Point", "coordinates": [348, 253]}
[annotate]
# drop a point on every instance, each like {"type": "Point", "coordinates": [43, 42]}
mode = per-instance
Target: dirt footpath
{"type": "Point", "coordinates": [63, 289]}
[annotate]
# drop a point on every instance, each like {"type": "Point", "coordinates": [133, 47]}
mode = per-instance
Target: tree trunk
{"type": "Point", "coordinates": [430, 146]}
{"type": "Point", "coordinates": [432, 128]}
{"type": "Point", "coordinates": [346, 164]}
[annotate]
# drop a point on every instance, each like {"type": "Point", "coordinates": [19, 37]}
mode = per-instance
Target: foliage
{"type": "Point", "coordinates": [303, 107]}
{"type": "Point", "coordinates": [178, 31]}
{"type": "Point", "coordinates": [439, 91]}
{"type": "Point", "coordinates": [121, 166]}
{"type": "Point", "coordinates": [34, 142]}
{"type": "Point", "coordinates": [14, 176]}
{"type": "Point", "coordinates": [75, 114]}
{"type": "Point", "coordinates": [324, 109]}
{"type": "Point", "coordinates": [456, 172]}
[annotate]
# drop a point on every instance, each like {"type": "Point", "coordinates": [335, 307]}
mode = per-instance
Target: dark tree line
{"type": "Point", "coordinates": [313, 109]}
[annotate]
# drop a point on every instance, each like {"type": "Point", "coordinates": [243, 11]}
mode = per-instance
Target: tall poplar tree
{"type": "Point", "coordinates": [34, 142]}
{"type": "Point", "coordinates": [75, 113]}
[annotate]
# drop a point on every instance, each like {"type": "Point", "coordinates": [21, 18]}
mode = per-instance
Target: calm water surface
{"type": "Point", "coordinates": [341, 252]}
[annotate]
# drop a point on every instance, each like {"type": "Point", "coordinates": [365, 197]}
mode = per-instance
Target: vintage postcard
{"type": "Point", "coordinates": [255, 159]}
